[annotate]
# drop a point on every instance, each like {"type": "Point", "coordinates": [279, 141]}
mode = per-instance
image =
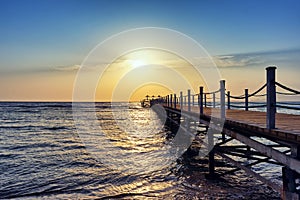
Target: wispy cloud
{"type": "Point", "coordinates": [34, 70]}
{"type": "Point", "coordinates": [257, 58]}
{"type": "Point", "coordinates": [65, 68]}
{"type": "Point", "coordinates": [237, 60]}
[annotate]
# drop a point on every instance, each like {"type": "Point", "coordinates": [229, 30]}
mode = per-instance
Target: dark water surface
{"type": "Point", "coordinates": [44, 154]}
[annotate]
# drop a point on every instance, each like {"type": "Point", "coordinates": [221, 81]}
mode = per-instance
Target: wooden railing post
{"type": "Point", "coordinates": [222, 99]}
{"type": "Point", "coordinates": [205, 105]}
{"type": "Point", "coordinates": [193, 100]}
{"type": "Point", "coordinates": [271, 97]}
{"type": "Point", "coordinates": [181, 101]}
{"type": "Point", "coordinates": [189, 100]}
{"type": "Point", "coordinates": [214, 100]}
{"type": "Point", "coordinates": [168, 102]}
{"type": "Point", "coordinates": [200, 100]}
{"type": "Point", "coordinates": [228, 100]}
{"type": "Point", "coordinates": [175, 101]}
{"type": "Point", "coordinates": [171, 100]}
{"type": "Point", "coordinates": [246, 99]}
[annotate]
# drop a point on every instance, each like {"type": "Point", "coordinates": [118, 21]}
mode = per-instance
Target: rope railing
{"type": "Point", "coordinates": [285, 93]}
{"type": "Point", "coordinates": [289, 103]}
{"type": "Point", "coordinates": [236, 97]}
{"type": "Point", "coordinates": [287, 88]}
{"type": "Point", "coordinates": [254, 106]}
{"type": "Point", "coordinates": [260, 95]}
{"type": "Point", "coordinates": [249, 95]}
{"type": "Point", "coordinates": [210, 99]}
{"type": "Point", "coordinates": [257, 91]}
{"type": "Point", "coordinates": [288, 107]}
{"type": "Point", "coordinates": [214, 92]}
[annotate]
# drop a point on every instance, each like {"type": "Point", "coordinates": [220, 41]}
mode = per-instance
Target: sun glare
{"type": "Point", "coordinates": [137, 63]}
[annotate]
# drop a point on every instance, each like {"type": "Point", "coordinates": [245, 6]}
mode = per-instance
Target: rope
{"type": "Point", "coordinates": [287, 88]}
{"type": "Point", "coordinates": [287, 107]}
{"type": "Point", "coordinates": [285, 93]}
{"type": "Point", "coordinates": [258, 106]}
{"type": "Point", "coordinates": [250, 95]}
{"type": "Point", "coordinates": [287, 103]}
{"type": "Point", "coordinates": [261, 103]}
{"type": "Point", "coordinates": [257, 91]}
{"type": "Point", "coordinates": [236, 97]}
{"type": "Point", "coordinates": [212, 92]}
{"type": "Point", "coordinates": [260, 95]}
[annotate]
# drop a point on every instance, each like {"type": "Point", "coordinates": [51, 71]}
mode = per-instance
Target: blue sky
{"type": "Point", "coordinates": [62, 32]}
{"type": "Point", "coordinates": [40, 35]}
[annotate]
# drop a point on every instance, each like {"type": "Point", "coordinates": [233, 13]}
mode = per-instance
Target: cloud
{"type": "Point", "coordinates": [260, 58]}
{"type": "Point", "coordinates": [232, 61]}
{"type": "Point", "coordinates": [35, 70]}
{"type": "Point", "coordinates": [66, 68]}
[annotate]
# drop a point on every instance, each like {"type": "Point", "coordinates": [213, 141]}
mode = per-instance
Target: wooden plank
{"type": "Point", "coordinates": [287, 125]}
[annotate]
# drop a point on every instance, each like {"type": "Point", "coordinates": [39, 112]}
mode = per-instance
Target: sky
{"type": "Point", "coordinates": [44, 43]}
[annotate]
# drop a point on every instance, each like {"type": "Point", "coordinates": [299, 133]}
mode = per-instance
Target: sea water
{"type": "Point", "coordinates": [47, 152]}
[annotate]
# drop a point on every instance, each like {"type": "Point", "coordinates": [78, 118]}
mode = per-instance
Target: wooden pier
{"type": "Point", "coordinates": [262, 136]}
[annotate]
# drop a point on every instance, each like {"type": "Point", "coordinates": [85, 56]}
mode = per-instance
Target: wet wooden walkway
{"type": "Point", "coordinates": [287, 125]}
{"type": "Point", "coordinates": [241, 125]}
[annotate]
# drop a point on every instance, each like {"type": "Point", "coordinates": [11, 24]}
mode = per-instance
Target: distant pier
{"type": "Point", "coordinates": [225, 121]}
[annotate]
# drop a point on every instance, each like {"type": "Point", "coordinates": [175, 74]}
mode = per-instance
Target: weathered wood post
{"type": "Point", "coordinates": [246, 99]}
{"type": "Point", "coordinates": [205, 105]}
{"type": "Point", "coordinates": [181, 101]}
{"type": "Point", "coordinates": [185, 100]}
{"type": "Point", "coordinates": [189, 100]}
{"type": "Point", "coordinates": [289, 177]}
{"type": "Point", "coordinates": [271, 97]}
{"type": "Point", "coordinates": [168, 101]}
{"type": "Point", "coordinates": [222, 107]}
{"type": "Point", "coordinates": [228, 100]}
{"type": "Point", "coordinates": [171, 100]}
{"type": "Point", "coordinates": [175, 101]}
{"type": "Point", "coordinates": [222, 99]}
{"type": "Point", "coordinates": [200, 100]}
{"type": "Point", "coordinates": [289, 184]}
{"type": "Point", "coordinates": [211, 158]}
{"type": "Point", "coordinates": [193, 100]}
{"type": "Point", "coordinates": [214, 100]}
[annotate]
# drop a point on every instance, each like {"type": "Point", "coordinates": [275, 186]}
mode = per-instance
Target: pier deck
{"type": "Point", "coordinates": [287, 125]}
{"type": "Point", "coordinates": [278, 133]}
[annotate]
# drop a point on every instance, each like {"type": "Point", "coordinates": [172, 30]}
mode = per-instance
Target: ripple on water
{"type": "Point", "coordinates": [42, 156]}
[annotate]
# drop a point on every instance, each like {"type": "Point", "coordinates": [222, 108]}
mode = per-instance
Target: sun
{"type": "Point", "coordinates": [137, 63]}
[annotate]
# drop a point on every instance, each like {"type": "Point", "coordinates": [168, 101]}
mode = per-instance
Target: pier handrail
{"type": "Point", "coordinates": [294, 92]}
{"type": "Point", "coordinates": [258, 106]}
{"type": "Point", "coordinates": [249, 95]}
{"type": "Point", "coordinates": [214, 92]}
{"type": "Point", "coordinates": [271, 104]}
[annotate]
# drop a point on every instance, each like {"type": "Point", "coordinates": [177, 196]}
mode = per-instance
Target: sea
{"type": "Point", "coordinates": [51, 150]}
